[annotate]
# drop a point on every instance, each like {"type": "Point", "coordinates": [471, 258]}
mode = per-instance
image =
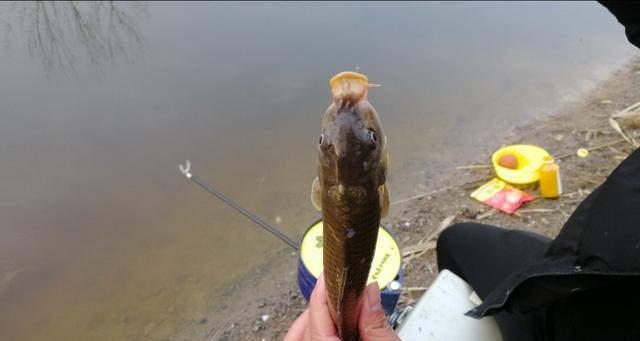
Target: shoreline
{"type": "Point", "coordinates": [581, 123]}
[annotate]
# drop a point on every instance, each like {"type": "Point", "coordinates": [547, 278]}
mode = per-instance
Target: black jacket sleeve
{"type": "Point", "coordinates": [628, 14]}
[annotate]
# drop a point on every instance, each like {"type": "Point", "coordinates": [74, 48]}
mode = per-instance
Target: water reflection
{"type": "Point", "coordinates": [63, 34]}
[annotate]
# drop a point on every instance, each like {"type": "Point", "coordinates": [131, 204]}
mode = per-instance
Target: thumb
{"type": "Point", "coordinates": [373, 325]}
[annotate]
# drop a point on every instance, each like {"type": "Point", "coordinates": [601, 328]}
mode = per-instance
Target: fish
{"type": "Point", "coordinates": [350, 191]}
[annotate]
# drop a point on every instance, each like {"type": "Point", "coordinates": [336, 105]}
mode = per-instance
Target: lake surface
{"type": "Point", "coordinates": [101, 237]}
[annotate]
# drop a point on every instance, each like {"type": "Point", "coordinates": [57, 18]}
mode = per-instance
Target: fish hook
{"type": "Point", "coordinates": [185, 169]}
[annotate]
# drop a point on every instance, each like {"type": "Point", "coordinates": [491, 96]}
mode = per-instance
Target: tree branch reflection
{"type": "Point", "coordinates": [63, 34]}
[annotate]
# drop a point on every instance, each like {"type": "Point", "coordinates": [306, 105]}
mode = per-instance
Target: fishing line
{"type": "Point", "coordinates": [186, 171]}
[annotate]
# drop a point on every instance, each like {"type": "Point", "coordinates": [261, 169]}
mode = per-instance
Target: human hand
{"type": "Point", "coordinates": [315, 323]}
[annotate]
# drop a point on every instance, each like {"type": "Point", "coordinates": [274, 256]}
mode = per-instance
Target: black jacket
{"type": "Point", "coordinates": [628, 14]}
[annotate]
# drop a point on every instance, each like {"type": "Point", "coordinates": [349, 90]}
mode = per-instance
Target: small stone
{"type": "Point", "coordinates": [559, 137]}
{"type": "Point", "coordinates": [203, 320]}
{"type": "Point", "coordinates": [469, 213]}
{"type": "Point", "coordinates": [278, 220]}
{"type": "Point", "coordinates": [148, 328]}
{"type": "Point", "coordinates": [606, 101]}
{"type": "Point", "coordinates": [262, 304]}
{"type": "Point", "coordinates": [264, 318]}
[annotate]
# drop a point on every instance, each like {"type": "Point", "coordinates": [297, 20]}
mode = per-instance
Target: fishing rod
{"type": "Point", "coordinates": [186, 171]}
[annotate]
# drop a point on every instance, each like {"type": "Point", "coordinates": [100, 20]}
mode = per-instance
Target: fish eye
{"type": "Point", "coordinates": [321, 139]}
{"type": "Point", "coordinates": [372, 136]}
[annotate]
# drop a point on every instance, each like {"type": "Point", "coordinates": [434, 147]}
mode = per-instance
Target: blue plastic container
{"type": "Point", "coordinates": [386, 266]}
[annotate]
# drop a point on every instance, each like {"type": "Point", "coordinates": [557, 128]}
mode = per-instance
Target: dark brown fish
{"type": "Point", "coordinates": [351, 193]}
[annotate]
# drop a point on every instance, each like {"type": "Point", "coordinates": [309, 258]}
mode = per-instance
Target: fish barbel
{"type": "Point", "coordinates": [350, 191]}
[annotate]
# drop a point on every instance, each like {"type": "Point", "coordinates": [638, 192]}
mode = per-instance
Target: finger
{"type": "Point", "coordinates": [373, 325]}
{"type": "Point", "coordinates": [320, 323]}
{"type": "Point", "coordinates": [298, 328]}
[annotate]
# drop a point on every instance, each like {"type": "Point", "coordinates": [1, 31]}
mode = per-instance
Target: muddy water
{"type": "Point", "coordinates": [101, 238]}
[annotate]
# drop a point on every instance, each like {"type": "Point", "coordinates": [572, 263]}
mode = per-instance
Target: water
{"type": "Point", "coordinates": [102, 238]}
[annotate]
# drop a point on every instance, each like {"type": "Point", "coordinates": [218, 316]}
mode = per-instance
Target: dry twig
{"type": "Point", "coordinates": [630, 111]}
{"type": "Point", "coordinates": [536, 210]}
{"type": "Point", "coordinates": [608, 144]}
{"type": "Point", "coordinates": [475, 167]}
{"type": "Point", "coordinates": [464, 185]}
{"type": "Point", "coordinates": [428, 242]}
{"type": "Point", "coordinates": [616, 126]}
{"type": "Point", "coordinates": [487, 214]}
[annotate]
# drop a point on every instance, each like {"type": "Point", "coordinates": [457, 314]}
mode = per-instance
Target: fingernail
{"type": "Point", "coordinates": [373, 295]}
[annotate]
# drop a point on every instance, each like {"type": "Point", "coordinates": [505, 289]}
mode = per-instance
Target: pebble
{"type": "Point", "coordinates": [469, 213]}
{"type": "Point", "coordinates": [148, 328]}
{"type": "Point", "coordinates": [203, 320]}
{"type": "Point", "coordinates": [264, 318]}
{"type": "Point", "coordinates": [278, 220]}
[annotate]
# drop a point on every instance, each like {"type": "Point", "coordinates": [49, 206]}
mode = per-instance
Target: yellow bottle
{"type": "Point", "coordinates": [550, 183]}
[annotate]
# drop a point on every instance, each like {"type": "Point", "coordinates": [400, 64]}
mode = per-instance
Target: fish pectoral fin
{"type": "Point", "coordinates": [384, 200]}
{"type": "Point", "coordinates": [316, 194]}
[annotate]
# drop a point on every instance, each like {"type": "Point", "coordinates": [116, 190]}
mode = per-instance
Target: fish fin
{"type": "Point", "coordinates": [384, 166]}
{"type": "Point", "coordinates": [316, 194]}
{"type": "Point", "coordinates": [340, 307]}
{"type": "Point", "coordinates": [384, 200]}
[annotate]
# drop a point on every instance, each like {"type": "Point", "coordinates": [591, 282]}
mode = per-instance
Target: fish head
{"type": "Point", "coordinates": [351, 146]}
